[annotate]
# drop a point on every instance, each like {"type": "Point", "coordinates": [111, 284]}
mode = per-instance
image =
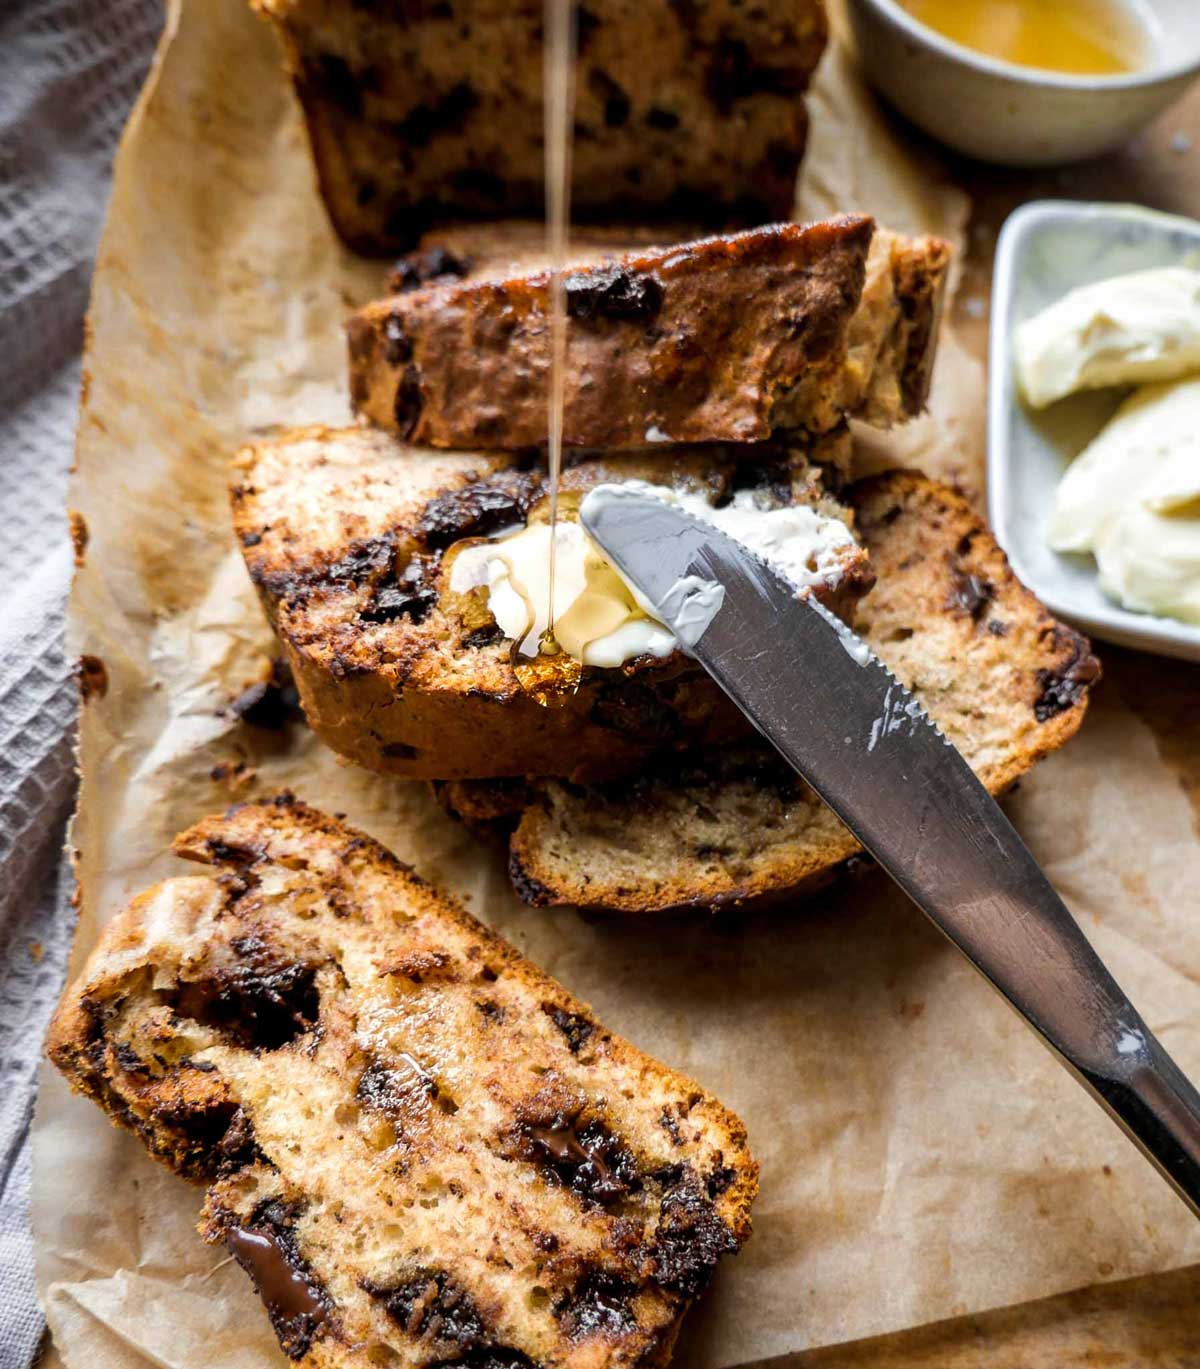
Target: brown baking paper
{"type": "Point", "coordinates": [921, 1155]}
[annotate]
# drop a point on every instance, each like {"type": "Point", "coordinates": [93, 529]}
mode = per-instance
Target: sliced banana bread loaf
{"type": "Point", "coordinates": [728, 825]}
{"type": "Point", "coordinates": [351, 539]}
{"type": "Point", "coordinates": [426, 112]}
{"type": "Point", "coordinates": [421, 1149]}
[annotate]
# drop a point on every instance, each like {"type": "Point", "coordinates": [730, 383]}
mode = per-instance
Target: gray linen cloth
{"type": "Point", "coordinates": [68, 75]}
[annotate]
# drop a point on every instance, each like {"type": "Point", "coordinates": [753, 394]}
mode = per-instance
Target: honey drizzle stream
{"type": "Point", "coordinates": [558, 105]}
{"type": "Point", "coordinates": [551, 676]}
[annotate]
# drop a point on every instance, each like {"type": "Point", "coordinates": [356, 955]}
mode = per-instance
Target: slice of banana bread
{"type": "Point", "coordinates": [422, 113]}
{"type": "Point", "coordinates": [351, 538]}
{"type": "Point", "coordinates": [727, 339]}
{"type": "Point", "coordinates": [726, 826]}
{"type": "Point", "coordinates": [892, 337]}
{"type": "Point", "coordinates": [422, 1149]}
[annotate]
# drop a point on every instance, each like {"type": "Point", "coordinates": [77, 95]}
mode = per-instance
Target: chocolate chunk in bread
{"type": "Point", "coordinates": [423, 113]}
{"type": "Point", "coordinates": [732, 825]}
{"type": "Point", "coordinates": [422, 1150]}
{"type": "Point", "coordinates": [350, 538]}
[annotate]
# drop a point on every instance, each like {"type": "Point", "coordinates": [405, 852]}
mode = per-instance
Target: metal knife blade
{"type": "Point", "coordinates": [867, 747]}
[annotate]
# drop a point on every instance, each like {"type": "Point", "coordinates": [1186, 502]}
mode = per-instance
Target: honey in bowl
{"type": "Point", "coordinates": [1075, 37]}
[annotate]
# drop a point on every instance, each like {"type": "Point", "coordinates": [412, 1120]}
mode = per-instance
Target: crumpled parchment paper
{"type": "Point", "coordinates": [922, 1156]}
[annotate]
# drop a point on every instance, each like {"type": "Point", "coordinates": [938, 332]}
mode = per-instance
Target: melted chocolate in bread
{"type": "Point", "coordinates": [295, 1304]}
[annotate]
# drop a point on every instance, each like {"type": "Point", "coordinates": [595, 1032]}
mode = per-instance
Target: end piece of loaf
{"type": "Point", "coordinates": [723, 340]}
{"type": "Point", "coordinates": [890, 345]}
{"type": "Point", "coordinates": [425, 113]}
{"type": "Point", "coordinates": [423, 1150]}
{"type": "Point", "coordinates": [349, 537]}
{"type": "Point", "coordinates": [728, 826]}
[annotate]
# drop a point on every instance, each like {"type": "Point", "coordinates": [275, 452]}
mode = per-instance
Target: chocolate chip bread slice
{"type": "Point", "coordinates": [727, 339]}
{"type": "Point", "coordinates": [726, 826]}
{"type": "Point", "coordinates": [890, 345]}
{"type": "Point", "coordinates": [421, 1149]}
{"type": "Point", "coordinates": [351, 539]}
{"type": "Point", "coordinates": [417, 113]}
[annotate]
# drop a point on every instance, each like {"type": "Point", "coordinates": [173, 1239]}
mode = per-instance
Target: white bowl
{"type": "Point", "coordinates": [1015, 115]}
{"type": "Point", "coordinates": [1045, 249]}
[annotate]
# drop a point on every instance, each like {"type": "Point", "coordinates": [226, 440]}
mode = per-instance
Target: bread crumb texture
{"type": "Point", "coordinates": [350, 537]}
{"type": "Point", "coordinates": [421, 1149]}
{"type": "Point", "coordinates": [1005, 681]}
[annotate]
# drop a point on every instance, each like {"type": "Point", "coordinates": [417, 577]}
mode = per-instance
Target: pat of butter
{"type": "Point", "coordinates": [599, 618]}
{"type": "Point", "coordinates": [1132, 497]}
{"type": "Point", "coordinates": [1126, 330]}
{"type": "Point", "coordinates": [1150, 562]}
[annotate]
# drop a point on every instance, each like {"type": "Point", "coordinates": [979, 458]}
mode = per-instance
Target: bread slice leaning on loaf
{"type": "Point", "coordinates": [425, 113]}
{"type": "Point", "coordinates": [422, 1149]}
{"type": "Point", "coordinates": [1004, 681]}
{"type": "Point", "coordinates": [350, 538]}
{"type": "Point", "coordinates": [726, 339]}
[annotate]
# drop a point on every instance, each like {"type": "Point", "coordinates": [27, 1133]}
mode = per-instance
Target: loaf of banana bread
{"type": "Point", "coordinates": [422, 1149]}
{"type": "Point", "coordinates": [428, 112]}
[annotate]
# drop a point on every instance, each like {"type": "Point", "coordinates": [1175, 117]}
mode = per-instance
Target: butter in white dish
{"type": "Point", "coordinates": [1132, 498]}
{"type": "Point", "coordinates": [599, 618]}
{"type": "Point", "coordinates": [1126, 330]}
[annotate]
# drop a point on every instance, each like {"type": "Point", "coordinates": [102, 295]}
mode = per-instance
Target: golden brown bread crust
{"type": "Point", "coordinates": [893, 335]}
{"type": "Point", "coordinates": [498, 249]}
{"type": "Point", "coordinates": [429, 112]}
{"type": "Point", "coordinates": [728, 339]}
{"type": "Point", "coordinates": [1005, 681]}
{"type": "Point", "coordinates": [348, 536]}
{"type": "Point", "coordinates": [422, 1149]}
{"type": "Point", "coordinates": [892, 338]}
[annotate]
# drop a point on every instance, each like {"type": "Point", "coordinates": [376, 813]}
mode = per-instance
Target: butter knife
{"type": "Point", "coordinates": [867, 747]}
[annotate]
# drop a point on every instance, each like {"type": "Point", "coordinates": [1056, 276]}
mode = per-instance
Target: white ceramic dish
{"type": "Point", "coordinates": [1020, 116]}
{"type": "Point", "coordinates": [1046, 249]}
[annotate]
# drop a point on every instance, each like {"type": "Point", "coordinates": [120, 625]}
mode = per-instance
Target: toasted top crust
{"type": "Point", "coordinates": [434, 111]}
{"type": "Point", "coordinates": [349, 536]}
{"type": "Point", "coordinates": [892, 338]}
{"type": "Point", "coordinates": [1005, 682]}
{"type": "Point", "coordinates": [728, 339]}
{"type": "Point", "coordinates": [422, 1149]}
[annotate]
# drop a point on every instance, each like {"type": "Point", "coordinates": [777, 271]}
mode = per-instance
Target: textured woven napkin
{"type": "Point", "coordinates": [68, 75]}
